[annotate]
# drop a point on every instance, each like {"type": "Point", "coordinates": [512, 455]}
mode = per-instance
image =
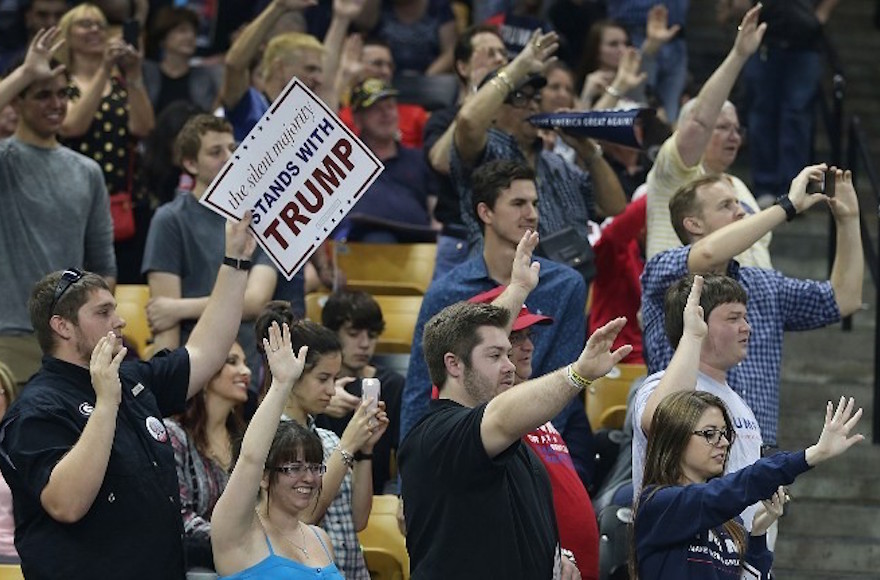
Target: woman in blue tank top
{"type": "Point", "coordinates": [284, 463]}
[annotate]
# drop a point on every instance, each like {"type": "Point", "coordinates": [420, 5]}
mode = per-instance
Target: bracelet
{"type": "Point", "coordinates": [237, 263]}
{"type": "Point", "coordinates": [784, 202]}
{"type": "Point", "coordinates": [613, 92]}
{"type": "Point", "coordinates": [501, 89]}
{"type": "Point", "coordinates": [361, 456]}
{"type": "Point", "coordinates": [347, 458]}
{"type": "Point", "coordinates": [568, 554]}
{"type": "Point", "coordinates": [579, 382]}
{"type": "Point", "coordinates": [505, 78]}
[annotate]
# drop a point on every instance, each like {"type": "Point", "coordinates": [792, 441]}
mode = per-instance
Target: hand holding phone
{"type": "Point", "coordinates": [371, 388]}
{"type": "Point", "coordinates": [131, 32]}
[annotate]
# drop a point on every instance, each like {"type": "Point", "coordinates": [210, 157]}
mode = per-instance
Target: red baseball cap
{"type": "Point", "coordinates": [523, 320]}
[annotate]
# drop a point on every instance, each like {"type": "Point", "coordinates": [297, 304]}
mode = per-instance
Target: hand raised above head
{"type": "Point", "coordinates": [525, 272]}
{"type": "Point", "coordinates": [694, 318]}
{"type": "Point", "coordinates": [750, 33]}
{"type": "Point", "coordinates": [835, 438]}
{"type": "Point", "coordinates": [39, 55]}
{"type": "Point", "coordinates": [286, 367]}
{"type": "Point", "coordinates": [597, 358]}
{"type": "Point", "coordinates": [538, 52]}
{"type": "Point", "coordinates": [240, 244]}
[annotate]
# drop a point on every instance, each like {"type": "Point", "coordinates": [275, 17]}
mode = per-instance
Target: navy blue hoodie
{"type": "Point", "coordinates": [678, 531]}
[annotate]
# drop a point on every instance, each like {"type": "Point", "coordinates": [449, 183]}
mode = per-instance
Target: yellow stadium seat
{"type": "Point", "coordinates": [131, 304]}
{"type": "Point", "coordinates": [384, 546]}
{"type": "Point", "coordinates": [399, 312]}
{"type": "Point", "coordinates": [400, 269]}
{"type": "Point", "coordinates": [606, 397]}
{"type": "Point", "coordinates": [11, 572]}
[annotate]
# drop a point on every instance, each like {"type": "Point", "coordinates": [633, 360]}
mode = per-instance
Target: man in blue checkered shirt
{"type": "Point", "coordinates": [707, 217]}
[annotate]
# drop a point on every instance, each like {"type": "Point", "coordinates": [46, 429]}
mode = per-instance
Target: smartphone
{"type": "Point", "coordinates": [131, 32]}
{"type": "Point", "coordinates": [829, 180]}
{"type": "Point", "coordinates": [371, 388]}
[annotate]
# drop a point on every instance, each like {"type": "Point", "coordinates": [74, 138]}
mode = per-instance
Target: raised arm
{"type": "Point", "coordinates": [141, 117]}
{"type": "Point", "coordinates": [35, 66]}
{"type": "Point", "coordinates": [696, 129]}
{"type": "Point", "coordinates": [848, 271]}
{"type": "Point", "coordinates": [81, 111]}
{"type": "Point", "coordinates": [76, 479]}
{"type": "Point", "coordinates": [344, 12]}
{"type": "Point", "coordinates": [234, 513]}
{"type": "Point", "coordinates": [479, 112]}
{"type": "Point", "coordinates": [213, 335]}
{"type": "Point", "coordinates": [712, 253]}
{"type": "Point", "coordinates": [681, 374]}
{"type": "Point", "coordinates": [524, 278]}
{"type": "Point", "coordinates": [236, 77]}
{"type": "Point", "coordinates": [515, 412]}
{"type": "Point", "coordinates": [446, 59]}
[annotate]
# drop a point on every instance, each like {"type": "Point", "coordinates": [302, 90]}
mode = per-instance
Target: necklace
{"type": "Point", "coordinates": [302, 548]}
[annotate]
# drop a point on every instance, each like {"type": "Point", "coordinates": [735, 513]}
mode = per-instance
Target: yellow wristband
{"type": "Point", "coordinates": [576, 380]}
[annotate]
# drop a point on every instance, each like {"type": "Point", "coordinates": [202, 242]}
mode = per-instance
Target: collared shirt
{"type": "Point", "coordinates": [635, 12]}
{"type": "Point", "coordinates": [338, 521]}
{"type": "Point", "coordinates": [776, 304]}
{"type": "Point", "coordinates": [133, 528]}
{"type": "Point", "coordinates": [565, 191]}
{"type": "Point", "coordinates": [561, 293]}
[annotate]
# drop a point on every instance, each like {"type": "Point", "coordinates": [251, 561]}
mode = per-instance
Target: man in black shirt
{"type": "Point", "coordinates": [478, 503]}
{"type": "Point", "coordinates": [84, 449]}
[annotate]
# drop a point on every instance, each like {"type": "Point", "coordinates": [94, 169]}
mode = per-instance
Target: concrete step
{"type": "Point", "coordinates": [829, 559]}
{"type": "Point", "coordinates": [811, 518]}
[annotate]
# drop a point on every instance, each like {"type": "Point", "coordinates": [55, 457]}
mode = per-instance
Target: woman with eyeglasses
{"type": "Point", "coordinates": [343, 505]}
{"type": "Point", "coordinates": [685, 526]}
{"type": "Point", "coordinates": [111, 112]}
{"type": "Point", "coordinates": [202, 438]}
{"type": "Point", "coordinates": [283, 462]}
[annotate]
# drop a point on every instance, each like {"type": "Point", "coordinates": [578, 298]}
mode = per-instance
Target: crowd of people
{"type": "Point", "coordinates": [249, 442]}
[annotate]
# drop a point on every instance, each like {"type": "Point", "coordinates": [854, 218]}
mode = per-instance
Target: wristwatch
{"type": "Point", "coordinates": [237, 263]}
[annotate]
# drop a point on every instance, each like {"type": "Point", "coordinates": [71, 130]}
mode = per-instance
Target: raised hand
{"type": "Point", "coordinates": [768, 512]}
{"type": "Point", "coordinates": [351, 65]}
{"type": "Point", "coordinates": [360, 431]}
{"type": "Point", "coordinates": [286, 367]}
{"type": "Point", "coordinates": [597, 358]}
{"type": "Point", "coordinates": [750, 34]}
{"type": "Point", "coordinates": [39, 55]}
{"type": "Point", "coordinates": [835, 438]}
{"type": "Point", "coordinates": [538, 52]}
{"type": "Point", "coordinates": [694, 319]}
{"type": "Point", "coordinates": [596, 82]}
{"type": "Point", "coordinates": [240, 243]}
{"type": "Point", "coordinates": [845, 203]}
{"type": "Point", "coordinates": [525, 272]}
{"type": "Point", "coordinates": [349, 9]}
{"type": "Point", "coordinates": [104, 369]}
{"type": "Point", "coordinates": [658, 30]}
{"type": "Point", "coordinates": [629, 74]}
{"type": "Point", "coordinates": [797, 192]}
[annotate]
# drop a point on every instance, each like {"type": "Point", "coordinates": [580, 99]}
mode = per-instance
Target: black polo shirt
{"type": "Point", "coordinates": [134, 527]}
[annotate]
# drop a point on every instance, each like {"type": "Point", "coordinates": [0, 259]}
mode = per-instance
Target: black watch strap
{"type": "Point", "coordinates": [237, 264]}
{"type": "Point", "coordinates": [784, 202]}
{"type": "Point", "coordinates": [362, 456]}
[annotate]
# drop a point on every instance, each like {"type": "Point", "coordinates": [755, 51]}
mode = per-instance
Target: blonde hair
{"type": "Point", "coordinates": [282, 45]}
{"type": "Point", "coordinates": [63, 53]}
{"type": "Point", "coordinates": [8, 384]}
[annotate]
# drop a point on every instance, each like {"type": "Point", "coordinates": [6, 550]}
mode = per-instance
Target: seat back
{"type": "Point", "coordinates": [606, 397]}
{"type": "Point", "coordinates": [11, 572]}
{"type": "Point", "coordinates": [399, 312]}
{"type": "Point", "coordinates": [382, 539]}
{"type": "Point", "coordinates": [399, 269]}
{"type": "Point", "coordinates": [131, 305]}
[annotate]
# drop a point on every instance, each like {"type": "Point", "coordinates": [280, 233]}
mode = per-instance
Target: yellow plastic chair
{"type": "Point", "coordinates": [399, 312]}
{"type": "Point", "coordinates": [606, 397]}
{"type": "Point", "coordinates": [384, 546]}
{"type": "Point", "coordinates": [131, 304]}
{"type": "Point", "coordinates": [11, 572]}
{"type": "Point", "coordinates": [399, 269]}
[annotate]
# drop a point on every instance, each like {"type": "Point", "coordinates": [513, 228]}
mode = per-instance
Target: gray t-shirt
{"type": "Point", "coordinates": [189, 240]}
{"type": "Point", "coordinates": [56, 215]}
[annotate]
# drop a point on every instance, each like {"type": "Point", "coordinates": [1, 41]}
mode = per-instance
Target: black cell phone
{"type": "Point", "coordinates": [829, 180]}
{"type": "Point", "coordinates": [131, 32]}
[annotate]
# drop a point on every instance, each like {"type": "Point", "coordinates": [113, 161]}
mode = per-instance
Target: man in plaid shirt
{"type": "Point", "coordinates": [708, 219]}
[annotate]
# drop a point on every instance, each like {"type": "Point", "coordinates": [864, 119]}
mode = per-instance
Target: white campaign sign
{"type": "Point", "coordinates": [300, 171]}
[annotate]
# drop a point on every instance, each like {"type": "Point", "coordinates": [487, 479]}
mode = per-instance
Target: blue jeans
{"type": "Point", "coordinates": [782, 85]}
{"type": "Point", "coordinates": [667, 72]}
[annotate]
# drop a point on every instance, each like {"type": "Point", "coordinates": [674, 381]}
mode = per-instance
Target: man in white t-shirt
{"type": "Point", "coordinates": [707, 346]}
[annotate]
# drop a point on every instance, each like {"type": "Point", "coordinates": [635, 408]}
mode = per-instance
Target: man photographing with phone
{"type": "Point", "coordinates": [708, 219]}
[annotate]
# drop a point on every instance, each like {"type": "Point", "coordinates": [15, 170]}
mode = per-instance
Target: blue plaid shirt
{"type": "Point", "coordinates": [565, 191]}
{"type": "Point", "coordinates": [776, 304]}
{"type": "Point", "coordinates": [635, 12]}
{"type": "Point", "coordinates": [338, 522]}
{"type": "Point", "coordinates": [561, 293]}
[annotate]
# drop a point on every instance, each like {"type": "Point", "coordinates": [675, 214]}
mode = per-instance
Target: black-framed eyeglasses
{"type": "Point", "coordinates": [713, 435]}
{"type": "Point", "coordinates": [301, 468]}
{"type": "Point", "coordinates": [520, 336]}
{"type": "Point", "coordinates": [521, 99]}
{"type": "Point", "coordinates": [68, 279]}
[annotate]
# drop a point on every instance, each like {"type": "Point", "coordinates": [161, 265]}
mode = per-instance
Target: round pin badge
{"type": "Point", "coordinates": [156, 429]}
{"type": "Point", "coordinates": [86, 409]}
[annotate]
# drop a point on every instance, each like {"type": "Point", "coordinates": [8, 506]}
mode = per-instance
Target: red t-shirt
{"type": "Point", "coordinates": [578, 530]}
{"type": "Point", "coordinates": [411, 120]}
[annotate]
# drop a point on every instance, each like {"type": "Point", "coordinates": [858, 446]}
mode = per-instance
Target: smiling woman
{"type": "Point", "coordinates": [202, 439]}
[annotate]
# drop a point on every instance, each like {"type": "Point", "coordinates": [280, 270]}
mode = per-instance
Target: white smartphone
{"type": "Point", "coordinates": [371, 388]}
